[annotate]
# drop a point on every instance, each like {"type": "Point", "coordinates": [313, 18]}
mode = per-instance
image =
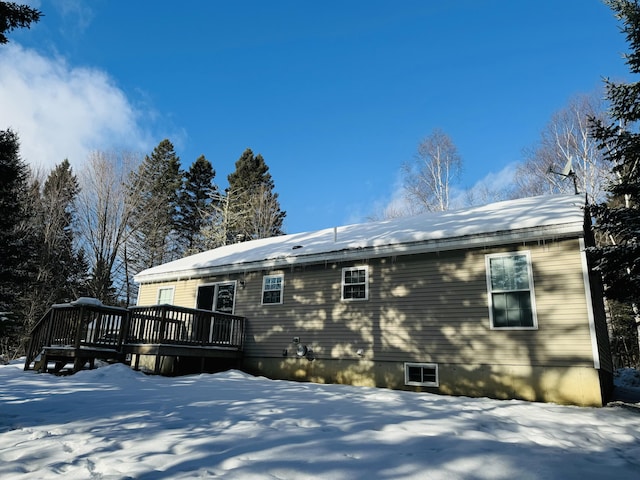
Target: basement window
{"type": "Point", "coordinates": [421, 374]}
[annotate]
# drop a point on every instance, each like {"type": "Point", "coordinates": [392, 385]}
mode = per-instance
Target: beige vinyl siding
{"type": "Point", "coordinates": [183, 294]}
{"type": "Point", "coordinates": [425, 308]}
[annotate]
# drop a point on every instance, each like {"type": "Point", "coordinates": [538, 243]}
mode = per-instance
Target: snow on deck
{"type": "Point", "coordinates": [513, 215]}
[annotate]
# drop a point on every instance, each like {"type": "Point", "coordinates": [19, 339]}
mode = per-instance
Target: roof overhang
{"type": "Point", "coordinates": [543, 233]}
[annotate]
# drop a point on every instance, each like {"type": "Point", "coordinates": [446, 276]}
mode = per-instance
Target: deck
{"type": "Point", "coordinates": [70, 336]}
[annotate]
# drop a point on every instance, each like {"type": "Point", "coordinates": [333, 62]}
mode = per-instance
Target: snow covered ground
{"type": "Point", "coordinates": [115, 423]}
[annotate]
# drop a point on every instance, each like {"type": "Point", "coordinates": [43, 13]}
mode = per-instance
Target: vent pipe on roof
{"type": "Point", "coordinates": [335, 234]}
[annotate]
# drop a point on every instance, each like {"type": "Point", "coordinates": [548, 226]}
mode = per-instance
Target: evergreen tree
{"type": "Point", "coordinates": [13, 185]}
{"type": "Point", "coordinates": [61, 270]}
{"type": "Point", "coordinates": [57, 272]}
{"type": "Point", "coordinates": [253, 207]}
{"type": "Point", "coordinates": [59, 197]}
{"type": "Point", "coordinates": [155, 186]}
{"type": "Point", "coordinates": [13, 15]}
{"type": "Point", "coordinates": [17, 242]}
{"type": "Point", "coordinates": [196, 199]}
{"type": "Point", "coordinates": [618, 220]}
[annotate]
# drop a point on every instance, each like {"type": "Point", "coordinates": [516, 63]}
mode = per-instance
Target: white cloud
{"type": "Point", "coordinates": [398, 204]}
{"type": "Point", "coordinates": [80, 13]}
{"type": "Point", "coordinates": [493, 187]}
{"type": "Point", "coordinates": [60, 111]}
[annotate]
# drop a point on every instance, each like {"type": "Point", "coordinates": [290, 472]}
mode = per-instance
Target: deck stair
{"type": "Point", "coordinates": [71, 335]}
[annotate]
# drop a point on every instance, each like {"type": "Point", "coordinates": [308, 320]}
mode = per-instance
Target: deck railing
{"type": "Point", "coordinates": [170, 324]}
{"type": "Point", "coordinates": [105, 329]}
{"type": "Point", "coordinates": [77, 326]}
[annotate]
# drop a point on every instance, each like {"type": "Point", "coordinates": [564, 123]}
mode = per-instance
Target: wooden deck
{"type": "Point", "coordinates": [71, 336]}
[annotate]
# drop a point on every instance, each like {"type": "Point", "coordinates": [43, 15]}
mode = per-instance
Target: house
{"type": "Point", "coordinates": [496, 301]}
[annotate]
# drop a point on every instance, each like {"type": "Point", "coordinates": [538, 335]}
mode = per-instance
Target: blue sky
{"type": "Point", "coordinates": [335, 95]}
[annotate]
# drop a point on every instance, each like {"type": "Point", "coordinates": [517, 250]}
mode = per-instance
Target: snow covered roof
{"type": "Point", "coordinates": [531, 218]}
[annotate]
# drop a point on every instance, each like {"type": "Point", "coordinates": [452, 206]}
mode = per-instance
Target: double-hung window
{"type": "Point", "coordinates": [355, 283]}
{"type": "Point", "coordinates": [510, 291]}
{"type": "Point", "coordinates": [165, 295]}
{"type": "Point", "coordinates": [272, 289]}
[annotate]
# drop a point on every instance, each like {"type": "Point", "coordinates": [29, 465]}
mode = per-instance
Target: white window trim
{"type": "Point", "coordinates": [490, 292]}
{"type": "Point", "coordinates": [421, 365]}
{"type": "Point", "coordinates": [173, 291]}
{"type": "Point", "coordinates": [277, 275]}
{"type": "Point", "coordinates": [366, 283]}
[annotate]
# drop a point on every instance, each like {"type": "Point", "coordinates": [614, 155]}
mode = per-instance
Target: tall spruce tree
{"type": "Point", "coordinates": [60, 274]}
{"type": "Point", "coordinates": [13, 15]}
{"type": "Point", "coordinates": [155, 186]}
{"type": "Point", "coordinates": [617, 258]}
{"type": "Point", "coordinates": [63, 266]}
{"type": "Point", "coordinates": [196, 200]}
{"type": "Point", "coordinates": [17, 242]}
{"type": "Point", "coordinates": [13, 186]}
{"type": "Point", "coordinates": [253, 206]}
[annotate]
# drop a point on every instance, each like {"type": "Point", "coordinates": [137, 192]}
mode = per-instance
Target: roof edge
{"type": "Point", "coordinates": [551, 232]}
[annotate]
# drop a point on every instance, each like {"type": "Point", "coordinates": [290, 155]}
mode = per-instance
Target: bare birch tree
{"type": "Point", "coordinates": [429, 178]}
{"type": "Point", "coordinates": [226, 210]}
{"type": "Point", "coordinates": [104, 210]}
{"type": "Point", "coordinates": [264, 212]}
{"type": "Point", "coordinates": [566, 137]}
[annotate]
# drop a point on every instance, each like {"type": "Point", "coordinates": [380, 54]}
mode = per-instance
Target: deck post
{"type": "Point", "coordinates": [156, 369]}
{"type": "Point", "coordinates": [78, 332]}
{"type": "Point", "coordinates": [163, 323]}
{"type": "Point", "coordinates": [78, 363]}
{"type": "Point", "coordinates": [49, 334]}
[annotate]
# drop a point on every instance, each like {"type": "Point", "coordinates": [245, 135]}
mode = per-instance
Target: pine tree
{"type": "Point", "coordinates": [155, 187]}
{"type": "Point", "coordinates": [618, 220]}
{"type": "Point", "coordinates": [196, 199]}
{"type": "Point", "coordinates": [13, 185]}
{"type": "Point", "coordinates": [17, 242]}
{"type": "Point", "coordinates": [14, 16]}
{"type": "Point", "coordinates": [61, 271]}
{"type": "Point", "coordinates": [254, 209]}
{"type": "Point", "coordinates": [65, 263]}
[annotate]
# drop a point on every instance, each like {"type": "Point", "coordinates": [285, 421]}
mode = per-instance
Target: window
{"type": "Point", "coordinates": [272, 289]}
{"type": "Point", "coordinates": [421, 374]}
{"type": "Point", "coordinates": [355, 283]}
{"type": "Point", "coordinates": [510, 286]}
{"type": "Point", "coordinates": [219, 297]}
{"type": "Point", "coordinates": [165, 295]}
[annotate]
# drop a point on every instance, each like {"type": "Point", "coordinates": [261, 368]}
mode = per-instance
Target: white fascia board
{"type": "Point", "coordinates": [552, 232]}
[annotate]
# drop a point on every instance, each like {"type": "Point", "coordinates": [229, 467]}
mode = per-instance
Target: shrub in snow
{"type": "Point", "coordinates": [627, 377]}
